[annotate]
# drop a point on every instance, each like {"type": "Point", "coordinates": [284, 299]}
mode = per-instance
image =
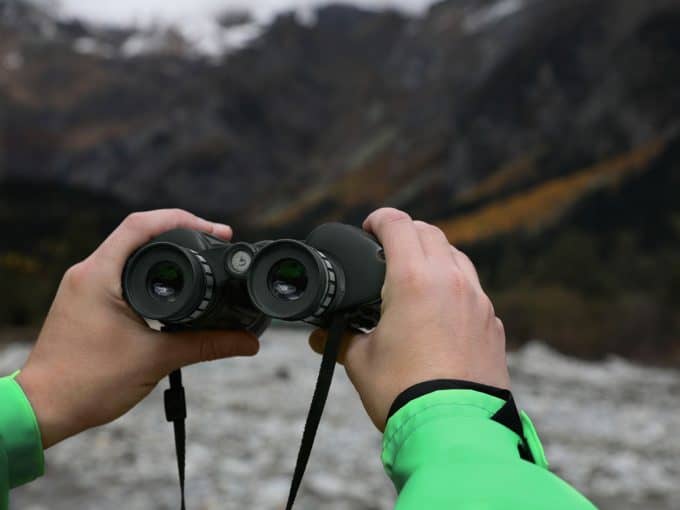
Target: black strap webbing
{"type": "Point", "coordinates": [323, 385]}
{"type": "Point", "coordinates": [176, 409]}
{"type": "Point", "coordinates": [176, 412]}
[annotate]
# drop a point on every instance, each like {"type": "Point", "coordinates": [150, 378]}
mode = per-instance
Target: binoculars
{"type": "Point", "coordinates": [191, 280]}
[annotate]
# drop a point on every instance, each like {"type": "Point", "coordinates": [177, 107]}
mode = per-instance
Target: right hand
{"type": "Point", "coordinates": [437, 322]}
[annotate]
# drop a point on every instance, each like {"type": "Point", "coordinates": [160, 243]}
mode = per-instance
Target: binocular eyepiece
{"type": "Point", "coordinates": [189, 279]}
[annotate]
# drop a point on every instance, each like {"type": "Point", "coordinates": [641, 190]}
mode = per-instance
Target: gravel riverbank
{"type": "Point", "coordinates": [609, 428]}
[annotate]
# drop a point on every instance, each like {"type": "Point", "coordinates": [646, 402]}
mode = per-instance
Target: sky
{"type": "Point", "coordinates": [196, 18]}
{"type": "Point", "coordinates": [180, 11]}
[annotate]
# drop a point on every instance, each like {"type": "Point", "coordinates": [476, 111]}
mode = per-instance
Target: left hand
{"type": "Point", "coordinates": [95, 358]}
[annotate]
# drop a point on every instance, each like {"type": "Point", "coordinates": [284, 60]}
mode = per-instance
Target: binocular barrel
{"type": "Point", "coordinates": [185, 278]}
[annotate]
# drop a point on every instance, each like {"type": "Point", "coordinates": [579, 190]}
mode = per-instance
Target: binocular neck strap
{"type": "Point", "coordinates": [176, 412]}
{"type": "Point", "coordinates": [176, 409]}
{"type": "Point", "coordinates": [323, 385]}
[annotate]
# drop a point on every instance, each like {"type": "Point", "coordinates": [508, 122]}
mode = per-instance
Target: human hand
{"type": "Point", "coordinates": [436, 323]}
{"type": "Point", "coordinates": [95, 358]}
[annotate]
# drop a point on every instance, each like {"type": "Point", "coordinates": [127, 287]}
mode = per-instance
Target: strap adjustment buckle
{"type": "Point", "coordinates": [175, 404]}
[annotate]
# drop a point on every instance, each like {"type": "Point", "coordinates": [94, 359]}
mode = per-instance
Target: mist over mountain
{"type": "Point", "coordinates": [542, 135]}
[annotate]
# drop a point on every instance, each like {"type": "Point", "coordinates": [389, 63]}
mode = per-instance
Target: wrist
{"type": "Point", "coordinates": [51, 420]}
{"type": "Point", "coordinates": [423, 388]}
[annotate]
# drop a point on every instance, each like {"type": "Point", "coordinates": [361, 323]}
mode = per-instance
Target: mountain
{"type": "Point", "coordinates": [542, 135]}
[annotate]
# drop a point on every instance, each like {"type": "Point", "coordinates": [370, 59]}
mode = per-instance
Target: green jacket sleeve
{"type": "Point", "coordinates": [21, 452]}
{"type": "Point", "coordinates": [442, 451]}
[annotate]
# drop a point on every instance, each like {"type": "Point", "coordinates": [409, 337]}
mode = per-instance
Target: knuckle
{"type": "Point", "coordinates": [178, 213]}
{"type": "Point", "coordinates": [142, 220]}
{"type": "Point", "coordinates": [392, 215]}
{"type": "Point", "coordinates": [500, 332]}
{"type": "Point", "coordinates": [135, 220]}
{"type": "Point", "coordinates": [75, 276]}
{"type": "Point", "coordinates": [210, 350]}
{"type": "Point", "coordinates": [464, 257]}
{"type": "Point", "coordinates": [454, 279]}
{"type": "Point", "coordinates": [179, 217]}
{"type": "Point", "coordinates": [413, 279]}
{"type": "Point", "coordinates": [429, 228]}
{"type": "Point", "coordinates": [435, 229]}
{"type": "Point", "coordinates": [486, 304]}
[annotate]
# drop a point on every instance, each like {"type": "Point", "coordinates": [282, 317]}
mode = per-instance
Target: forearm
{"type": "Point", "coordinates": [443, 450]}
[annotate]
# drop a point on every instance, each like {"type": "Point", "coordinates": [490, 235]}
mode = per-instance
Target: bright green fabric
{"type": "Point", "coordinates": [443, 452]}
{"type": "Point", "coordinates": [21, 452]}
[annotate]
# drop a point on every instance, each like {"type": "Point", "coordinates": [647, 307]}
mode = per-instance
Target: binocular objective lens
{"type": "Point", "coordinates": [288, 279]}
{"type": "Point", "coordinates": [165, 281]}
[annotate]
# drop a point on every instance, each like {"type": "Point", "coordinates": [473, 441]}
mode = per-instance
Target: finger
{"type": "Point", "coordinates": [467, 267]}
{"type": "Point", "coordinates": [435, 244]}
{"type": "Point", "coordinates": [399, 237]}
{"type": "Point", "coordinates": [187, 348]}
{"type": "Point", "coordinates": [348, 347]}
{"type": "Point", "coordinates": [224, 232]}
{"type": "Point", "coordinates": [140, 228]}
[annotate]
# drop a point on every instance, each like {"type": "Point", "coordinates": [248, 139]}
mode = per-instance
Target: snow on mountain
{"type": "Point", "coordinates": [198, 20]}
{"type": "Point", "coordinates": [492, 13]}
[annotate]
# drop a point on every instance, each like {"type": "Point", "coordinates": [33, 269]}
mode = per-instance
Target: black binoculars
{"type": "Point", "coordinates": [188, 279]}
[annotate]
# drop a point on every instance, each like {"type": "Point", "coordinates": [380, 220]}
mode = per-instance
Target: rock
{"type": "Point", "coordinates": [282, 373]}
{"type": "Point", "coordinates": [606, 428]}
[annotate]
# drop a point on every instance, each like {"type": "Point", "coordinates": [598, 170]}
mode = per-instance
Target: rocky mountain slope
{"type": "Point", "coordinates": [542, 135]}
{"type": "Point", "coordinates": [605, 426]}
{"type": "Point", "coordinates": [417, 110]}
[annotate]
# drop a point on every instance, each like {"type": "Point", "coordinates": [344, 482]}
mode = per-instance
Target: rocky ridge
{"type": "Point", "coordinates": [540, 134]}
{"type": "Point", "coordinates": [420, 110]}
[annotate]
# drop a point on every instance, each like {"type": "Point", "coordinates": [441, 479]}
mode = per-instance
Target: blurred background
{"type": "Point", "coordinates": [543, 136]}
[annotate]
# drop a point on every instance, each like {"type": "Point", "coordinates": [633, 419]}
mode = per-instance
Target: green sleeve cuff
{"type": "Point", "coordinates": [443, 450]}
{"type": "Point", "coordinates": [19, 434]}
{"type": "Point", "coordinates": [446, 424]}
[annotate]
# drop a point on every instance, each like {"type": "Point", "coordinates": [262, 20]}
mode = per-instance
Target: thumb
{"type": "Point", "coordinates": [187, 348]}
{"type": "Point", "coordinates": [319, 337]}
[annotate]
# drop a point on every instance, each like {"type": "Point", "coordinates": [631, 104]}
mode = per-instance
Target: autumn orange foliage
{"type": "Point", "coordinates": [514, 172]}
{"type": "Point", "coordinates": [541, 206]}
{"type": "Point", "coordinates": [373, 181]}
